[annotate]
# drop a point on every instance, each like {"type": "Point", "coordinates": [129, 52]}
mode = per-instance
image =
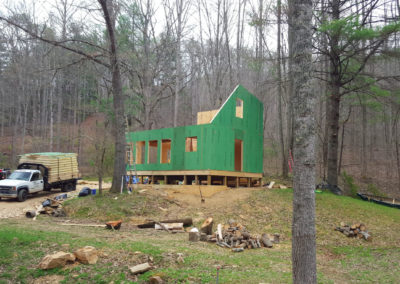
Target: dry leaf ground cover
{"type": "Point", "coordinates": [24, 242]}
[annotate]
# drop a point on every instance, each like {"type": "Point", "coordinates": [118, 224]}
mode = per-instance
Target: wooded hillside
{"type": "Point", "coordinates": [179, 57]}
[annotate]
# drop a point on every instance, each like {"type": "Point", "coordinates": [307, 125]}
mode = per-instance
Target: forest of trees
{"type": "Point", "coordinates": [63, 62]}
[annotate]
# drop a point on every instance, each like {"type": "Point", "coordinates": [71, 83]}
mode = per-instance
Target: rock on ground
{"type": "Point", "coordinates": [87, 255]}
{"type": "Point", "coordinates": [140, 268]}
{"type": "Point", "coordinates": [59, 259]}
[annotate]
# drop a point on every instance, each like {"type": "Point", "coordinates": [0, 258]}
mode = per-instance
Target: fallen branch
{"type": "Point", "coordinates": [84, 225]}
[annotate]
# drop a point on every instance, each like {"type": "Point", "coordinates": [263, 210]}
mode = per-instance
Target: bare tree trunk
{"type": "Point", "coordinates": [290, 79]}
{"type": "Point", "coordinates": [334, 103]}
{"type": "Point", "coordinates": [119, 128]}
{"type": "Point", "coordinates": [52, 89]}
{"type": "Point", "coordinates": [178, 79]}
{"type": "Point", "coordinates": [303, 227]}
{"type": "Point", "coordinates": [280, 111]}
{"type": "Point", "coordinates": [333, 140]}
{"type": "Point", "coordinates": [364, 142]}
{"type": "Point", "coordinates": [342, 141]}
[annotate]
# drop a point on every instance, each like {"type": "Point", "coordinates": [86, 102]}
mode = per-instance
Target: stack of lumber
{"type": "Point", "coordinates": [236, 237]}
{"type": "Point", "coordinates": [61, 166]}
{"type": "Point", "coordinates": [358, 230]}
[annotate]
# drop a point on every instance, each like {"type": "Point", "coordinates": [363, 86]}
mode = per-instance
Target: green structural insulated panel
{"type": "Point", "coordinates": [215, 141]}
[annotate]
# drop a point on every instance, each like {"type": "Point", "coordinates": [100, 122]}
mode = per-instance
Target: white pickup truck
{"type": "Point", "coordinates": [41, 171]}
{"type": "Point", "coordinates": [21, 183]}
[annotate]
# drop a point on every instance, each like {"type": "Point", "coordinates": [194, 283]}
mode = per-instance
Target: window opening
{"type": "Point", "coordinates": [140, 148]}
{"type": "Point", "coordinates": [165, 151]}
{"type": "Point", "coordinates": [239, 108]}
{"type": "Point", "coordinates": [191, 144]}
{"type": "Point", "coordinates": [152, 154]}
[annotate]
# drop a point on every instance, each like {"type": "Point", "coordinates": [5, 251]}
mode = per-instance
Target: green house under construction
{"type": "Point", "coordinates": [225, 147]}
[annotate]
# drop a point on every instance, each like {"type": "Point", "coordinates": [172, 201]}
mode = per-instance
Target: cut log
{"type": "Point", "coordinates": [30, 214]}
{"type": "Point", "coordinates": [203, 237]}
{"type": "Point", "coordinates": [266, 241]}
{"type": "Point", "coordinates": [168, 226]}
{"type": "Point", "coordinates": [245, 235]}
{"type": "Point", "coordinates": [219, 231]}
{"type": "Point", "coordinates": [186, 222]}
{"type": "Point", "coordinates": [207, 226]}
{"type": "Point", "coordinates": [38, 209]}
{"type": "Point", "coordinates": [194, 236]}
{"type": "Point", "coordinates": [366, 235]}
{"type": "Point", "coordinates": [211, 238]}
{"type": "Point", "coordinates": [363, 227]}
{"type": "Point", "coordinates": [238, 249]}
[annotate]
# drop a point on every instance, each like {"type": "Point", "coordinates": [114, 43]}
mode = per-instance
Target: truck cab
{"type": "Point", "coordinates": [21, 183]}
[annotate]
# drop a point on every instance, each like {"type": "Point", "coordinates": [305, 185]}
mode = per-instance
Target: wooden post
{"type": "Point", "coordinates": [152, 179]}
{"type": "Point", "coordinates": [141, 179]}
{"type": "Point", "coordinates": [185, 180]}
{"type": "Point", "coordinates": [260, 182]}
{"type": "Point", "coordinates": [208, 180]}
{"type": "Point", "coordinates": [237, 181]}
{"type": "Point", "coordinates": [196, 179]}
{"type": "Point", "coordinates": [225, 180]}
{"type": "Point", "coordinates": [165, 179]}
{"type": "Point", "coordinates": [248, 182]}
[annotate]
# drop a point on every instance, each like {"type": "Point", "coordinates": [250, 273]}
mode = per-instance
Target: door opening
{"type": "Point", "coordinates": [238, 155]}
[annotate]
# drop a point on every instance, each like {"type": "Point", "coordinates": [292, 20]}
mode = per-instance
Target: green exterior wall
{"type": "Point", "coordinates": [215, 141]}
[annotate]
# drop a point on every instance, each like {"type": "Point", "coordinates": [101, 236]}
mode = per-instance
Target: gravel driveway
{"type": "Point", "coordinates": [10, 208]}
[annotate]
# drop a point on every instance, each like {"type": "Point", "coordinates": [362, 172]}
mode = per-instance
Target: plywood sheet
{"type": "Point", "coordinates": [204, 117]}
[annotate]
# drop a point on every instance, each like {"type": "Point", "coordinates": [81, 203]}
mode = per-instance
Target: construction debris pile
{"type": "Point", "coordinates": [358, 230]}
{"type": "Point", "coordinates": [51, 207]}
{"type": "Point", "coordinates": [233, 236]}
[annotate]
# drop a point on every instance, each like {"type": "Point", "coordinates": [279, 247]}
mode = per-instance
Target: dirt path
{"type": "Point", "coordinates": [11, 208]}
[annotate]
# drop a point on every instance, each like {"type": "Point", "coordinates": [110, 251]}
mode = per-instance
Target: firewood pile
{"type": "Point", "coordinates": [358, 230]}
{"type": "Point", "coordinates": [234, 236]}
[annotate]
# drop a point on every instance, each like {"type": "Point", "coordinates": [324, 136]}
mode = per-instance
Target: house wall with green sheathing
{"type": "Point", "coordinates": [215, 141]}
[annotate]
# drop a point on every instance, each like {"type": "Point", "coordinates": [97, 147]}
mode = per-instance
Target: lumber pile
{"type": "Point", "coordinates": [61, 166]}
{"type": "Point", "coordinates": [358, 230]}
{"type": "Point", "coordinates": [235, 236]}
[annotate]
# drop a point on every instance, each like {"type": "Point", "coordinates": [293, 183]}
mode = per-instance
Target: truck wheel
{"type": "Point", "coordinates": [68, 187]}
{"type": "Point", "coordinates": [22, 195]}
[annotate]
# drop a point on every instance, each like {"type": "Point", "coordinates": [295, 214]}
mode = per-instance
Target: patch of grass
{"type": "Point", "coordinates": [111, 206]}
{"type": "Point", "coordinates": [369, 265]}
{"type": "Point", "coordinates": [339, 259]}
